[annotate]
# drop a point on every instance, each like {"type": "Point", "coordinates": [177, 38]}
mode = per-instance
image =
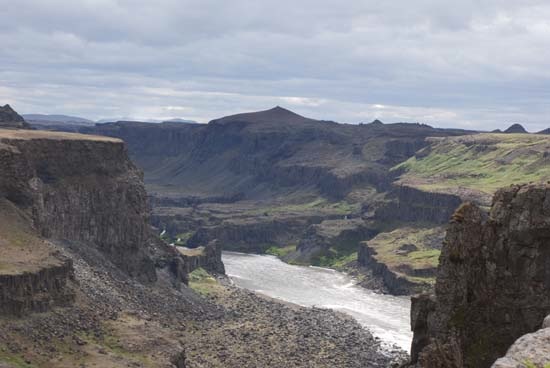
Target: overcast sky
{"type": "Point", "coordinates": [473, 64]}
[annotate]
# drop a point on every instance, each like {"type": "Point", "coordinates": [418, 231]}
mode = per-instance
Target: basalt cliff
{"type": "Point", "coordinates": [262, 181]}
{"type": "Point", "coordinates": [493, 285]}
{"type": "Point", "coordinates": [70, 188]}
{"type": "Point", "coordinates": [85, 281]}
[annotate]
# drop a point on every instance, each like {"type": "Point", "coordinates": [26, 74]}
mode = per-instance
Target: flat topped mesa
{"type": "Point", "coordinates": [11, 119]}
{"type": "Point", "coordinates": [28, 134]}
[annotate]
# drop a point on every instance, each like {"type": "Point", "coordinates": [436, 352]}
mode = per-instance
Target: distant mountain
{"type": "Point", "coordinates": [11, 119]}
{"type": "Point", "coordinates": [56, 119]}
{"type": "Point", "coordinates": [177, 120]}
{"type": "Point", "coordinates": [545, 131]}
{"type": "Point", "coordinates": [515, 128]}
{"type": "Point", "coordinates": [137, 120]}
{"type": "Point", "coordinates": [258, 153]}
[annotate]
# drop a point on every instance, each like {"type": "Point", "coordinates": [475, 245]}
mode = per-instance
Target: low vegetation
{"type": "Point", "coordinates": [410, 251]}
{"type": "Point", "coordinates": [281, 251]}
{"type": "Point", "coordinates": [314, 204]}
{"type": "Point", "coordinates": [484, 162]}
{"type": "Point", "coordinates": [202, 282]}
{"type": "Point", "coordinates": [336, 258]}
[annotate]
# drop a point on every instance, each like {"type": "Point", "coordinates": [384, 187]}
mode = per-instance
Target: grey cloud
{"type": "Point", "coordinates": [477, 64]}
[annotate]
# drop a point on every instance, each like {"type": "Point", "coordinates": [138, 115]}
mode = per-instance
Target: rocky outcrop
{"type": "Point", "coordinates": [21, 293]}
{"type": "Point", "coordinates": [252, 236]}
{"type": "Point", "coordinates": [11, 119]}
{"type": "Point", "coordinates": [320, 239]}
{"type": "Point", "coordinates": [395, 284]}
{"type": "Point", "coordinates": [208, 257]}
{"type": "Point", "coordinates": [533, 348]}
{"type": "Point", "coordinates": [81, 189]}
{"type": "Point", "coordinates": [408, 204]}
{"type": "Point", "coordinates": [493, 282]}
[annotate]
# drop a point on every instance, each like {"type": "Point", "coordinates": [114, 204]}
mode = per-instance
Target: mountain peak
{"type": "Point", "coordinates": [515, 128]}
{"type": "Point", "coordinates": [9, 118]}
{"type": "Point", "coordinates": [275, 115]}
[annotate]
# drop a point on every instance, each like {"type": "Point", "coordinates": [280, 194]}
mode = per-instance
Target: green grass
{"type": "Point", "coordinates": [387, 247]}
{"type": "Point", "coordinates": [530, 364]}
{"type": "Point", "coordinates": [318, 204]}
{"type": "Point", "coordinates": [14, 360]}
{"type": "Point", "coordinates": [336, 259]}
{"type": "Point", "coordinates": [337, 256]}
{"type": "Point", "coordinates": [281, 251]}
{"type": "Point", "coordinates": [202, 282]}
{"type": "Point", "coordinates": [181, 239]}
{"type": "Point", "coordinates": [484, 162]}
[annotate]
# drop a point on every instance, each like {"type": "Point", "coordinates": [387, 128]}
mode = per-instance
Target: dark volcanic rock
{"type": "Point", "coordinates": [81, 190]}
{"type": "Point", "coordinates": [493, 282]}
{"type": "Point", "coordinates": [258, 154]}
{"type": "Point", "coordinates": [394, 283]}
{"type": "Point", "coordinates": [11, 119]}
{"type": "Point", "coordinates": [414, 205]}
{"type": "Point", "coordinates": [36, 292]}
{"type": "Point", "coordinates": [515, 128]}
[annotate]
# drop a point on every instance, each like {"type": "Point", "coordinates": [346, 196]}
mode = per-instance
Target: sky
{"type": "Point", "coordinates": [469, 64]}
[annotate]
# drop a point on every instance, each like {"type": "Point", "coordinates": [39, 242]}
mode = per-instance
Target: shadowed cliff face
{"type": "Point", "coordinates": [493, 282]}
{"type": "Point", "coordinates": [80, 189]}
{"type": "Point", "coordinates": [256, 154]}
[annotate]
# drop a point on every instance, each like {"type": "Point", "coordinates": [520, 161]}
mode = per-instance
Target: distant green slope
{"type": "Point", "coordinates": [478, 163]}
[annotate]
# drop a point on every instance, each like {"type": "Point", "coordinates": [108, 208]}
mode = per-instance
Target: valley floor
{"type": "Point", "coordinates": [117, 322]}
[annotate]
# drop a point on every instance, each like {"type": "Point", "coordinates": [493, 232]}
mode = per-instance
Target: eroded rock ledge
{"type": "Point", "coordinates": [73, 189]}
{"type": "Point", "coordinates": [493, 282]}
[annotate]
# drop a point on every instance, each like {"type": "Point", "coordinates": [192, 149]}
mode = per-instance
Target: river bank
{"type": "Point", "coordinates": [385, 315]}
{"type": "Point", "coordinates": [280, 334]}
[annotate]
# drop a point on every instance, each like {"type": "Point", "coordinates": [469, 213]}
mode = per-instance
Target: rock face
{"type": "Point", "coordinates": [320, 238]}
{"type": "Point", "coordinates": [493, 282]}
{"type": "Point", "coordinates": [413, 205]}
{"type": "Point", "coordinates": [208, 257]}
{"type": "Point", "coordinates": [36, 291]}
{"type": "Point", "coordinates": [395, 284]}
{"type": "Point", "coordinates": [10, 119]}
{"type": "Point", "coordinates": [80, 189]}
{"type": "Point", "coordinates": [258, 154]}
{"type": "Point", "coordinates": [533, 348]}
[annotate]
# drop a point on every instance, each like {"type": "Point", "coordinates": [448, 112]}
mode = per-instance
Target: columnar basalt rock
{"type": "Point", "coordinates": [36, 291]}
{"type": "Point", "coordinates": [81, 189]}
{"type": "Point", "coordinates": [493, 282]}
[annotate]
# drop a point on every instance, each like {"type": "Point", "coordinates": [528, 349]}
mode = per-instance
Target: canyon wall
{"type": "Point", "coordinates": [394, 283]}
{"type": "Point", "coordinates": [493, 282]}
{"type": "Point", "coordinates": [413, 205]}
{"type": "Point", "coordinates": [80, 189]}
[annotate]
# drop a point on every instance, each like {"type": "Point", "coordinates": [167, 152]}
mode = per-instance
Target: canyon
{"type": "Point", "coordinates": [83, 272]}
{"type": "Point", "coordinates": [85, 280]}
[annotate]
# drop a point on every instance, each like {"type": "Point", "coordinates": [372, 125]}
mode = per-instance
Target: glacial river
{"type": "Point", "coordinates": [385, 316]}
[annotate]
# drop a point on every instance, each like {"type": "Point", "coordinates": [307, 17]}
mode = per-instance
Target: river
{"type": "Point", "coordinates": [386, 316]}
